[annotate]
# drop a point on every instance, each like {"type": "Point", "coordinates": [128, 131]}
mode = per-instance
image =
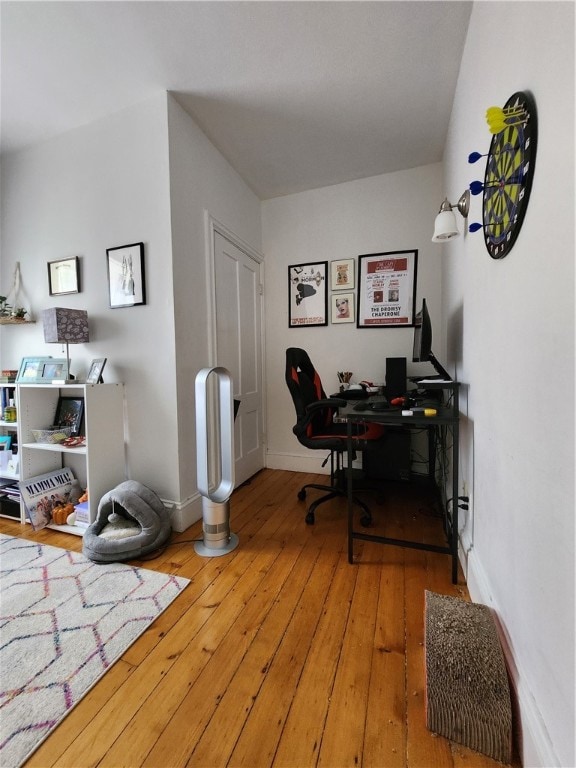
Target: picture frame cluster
{"type": "Point", "coordinates": [124, 268]}
{"type": "Point", "coordinates": [342, 283]}
{"type": "Point", "coordinates": [385, 297]}
{"type": "Point", "coordinates": [126, 275]}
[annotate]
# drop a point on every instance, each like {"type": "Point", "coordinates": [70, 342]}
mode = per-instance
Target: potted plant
{"type": "Point", "coordinates": [4, 307]}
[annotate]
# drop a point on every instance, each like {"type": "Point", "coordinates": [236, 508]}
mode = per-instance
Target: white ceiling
{"type": "Point", "coordinates": [296, 95]}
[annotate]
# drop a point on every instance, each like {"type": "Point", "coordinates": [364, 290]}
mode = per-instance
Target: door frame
{"type": "Point", "coordinates": [211, 226]}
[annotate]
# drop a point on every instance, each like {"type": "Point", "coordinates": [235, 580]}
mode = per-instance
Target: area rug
{"type": "Point", "coordinates": [63, 622]}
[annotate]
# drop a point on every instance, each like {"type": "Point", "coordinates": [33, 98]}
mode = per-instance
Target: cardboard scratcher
{"type": "Point", "coordinates": [467, 688]}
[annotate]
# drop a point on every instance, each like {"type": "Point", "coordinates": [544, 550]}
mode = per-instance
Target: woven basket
{"type": "Point", "coordinates": [51, 434]}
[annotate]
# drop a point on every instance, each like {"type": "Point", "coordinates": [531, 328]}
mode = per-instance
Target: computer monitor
{"type": "Point", "coordinates": [422, 346]}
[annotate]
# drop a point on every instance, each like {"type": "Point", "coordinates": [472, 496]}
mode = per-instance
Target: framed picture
{"type": "Point", "coordinates": [342, 275]}
{"type": "Point", "coordinates": [69, 412]}
{"type": "Point", "coordinates": [95, 372]}
{"type": "Point", "coordinates": [55, 370]}
{"type": "Point", "coordinates": [126, 280]}
{"type": "Point", "coordinates": [308, 294]}
{"type": "Point", "coordinates": [64, 276]}
{"type": "Point", "coordinates": [42, 370]}
{"type": "Point", "coordinates": [5, 442]}
{"type": "Point", "coordinates": [343, 308]}
{"type": "Point", "coordinates": [387, 289]}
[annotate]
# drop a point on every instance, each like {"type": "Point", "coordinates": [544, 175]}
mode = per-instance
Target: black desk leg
{"type": "Point", "coordinates": [454, 527]}
{"type": "Point", "coordinates": [432, 436]}
{"type": "Point", "coordinates": [350, 490]}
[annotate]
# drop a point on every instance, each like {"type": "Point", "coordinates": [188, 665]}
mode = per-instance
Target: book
{"type": "Point", "coordinates": [42, 493]}
{"type": "Point", "coordinates": [82, 510]}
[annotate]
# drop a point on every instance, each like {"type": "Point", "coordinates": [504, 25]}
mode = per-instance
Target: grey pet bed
{"type": "Point", "coordinates": [131, 521]}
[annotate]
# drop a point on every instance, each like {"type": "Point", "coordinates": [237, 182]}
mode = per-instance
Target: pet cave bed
{"type": "Point", "coordinates": [467, 689]}
{"type": "Point", "coordinates": [131, 521]}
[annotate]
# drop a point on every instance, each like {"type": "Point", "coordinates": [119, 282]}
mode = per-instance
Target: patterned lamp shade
{"type": "Point", "coordinates": [65, 326]}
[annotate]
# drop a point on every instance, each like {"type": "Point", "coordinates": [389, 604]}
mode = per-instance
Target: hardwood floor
{"type": "Point", "coordinates": [279, 654]}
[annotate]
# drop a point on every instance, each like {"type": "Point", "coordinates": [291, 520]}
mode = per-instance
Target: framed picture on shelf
{"type": "Point", "coordinates": [13, 463]}
{"type": "Point", "coordinates": [64, 276]}
{"type": "Point", "coordinates": [343, 308]}
{"type": "Point", "coordinates": [342, 275]}
{"type": "Point", "coordinates": [126, 279]}
{"type": "Point", "coordinates": [55, 369]}
{"type": "Point", "coordinates": [308, 294]}
{"type": "Point", "coordinates": [69, 412]}
{"type": "Point", "coordinates": [42, 370]}
{"type": "Point", "coordinates": [387, 289]}
{"type": "Point", "coordinates": [95, 372]}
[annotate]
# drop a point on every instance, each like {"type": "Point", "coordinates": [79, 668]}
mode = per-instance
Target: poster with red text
{"type": "Point", "coordinates": [387, 289]}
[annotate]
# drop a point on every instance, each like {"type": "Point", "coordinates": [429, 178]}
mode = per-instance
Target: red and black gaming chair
{"type": "Point", "coordinates": [316, 429]}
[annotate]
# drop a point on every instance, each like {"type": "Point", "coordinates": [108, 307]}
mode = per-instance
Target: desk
{"type": "Point", "coordinates": [448, 416]}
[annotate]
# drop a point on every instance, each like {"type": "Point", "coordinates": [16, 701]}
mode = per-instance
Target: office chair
{"type": "Point", "coordinates": [316, 429]}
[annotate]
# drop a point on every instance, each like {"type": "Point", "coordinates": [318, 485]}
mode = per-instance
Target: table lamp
{"type": "Point", "coordinates": [65, 326]}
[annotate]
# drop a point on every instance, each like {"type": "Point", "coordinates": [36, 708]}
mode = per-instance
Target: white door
{"type": "Point", "coordinates": [239, 347]}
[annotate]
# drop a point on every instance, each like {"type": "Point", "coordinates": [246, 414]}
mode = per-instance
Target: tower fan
{"type": "Point", "coordinates": [215, 459]}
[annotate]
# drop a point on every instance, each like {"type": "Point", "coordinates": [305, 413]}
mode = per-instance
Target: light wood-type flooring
{"type": "Point", "coordinates": [279, 654]}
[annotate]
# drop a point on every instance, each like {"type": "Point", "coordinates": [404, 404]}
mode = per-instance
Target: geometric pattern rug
{"type": "Point", "coordinates": [63, 622]}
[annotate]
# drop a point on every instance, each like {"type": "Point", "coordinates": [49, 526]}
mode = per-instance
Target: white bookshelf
{"type": "Point", "coordinates": [7, 473]}
{"type": "Point", "coordinates": [100, 465]}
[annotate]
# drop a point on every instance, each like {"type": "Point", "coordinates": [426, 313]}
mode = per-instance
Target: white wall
{"type": "Point", "coordinates": [201, 182]}
{"type": "Point", "coordinates": [100, 186]}
{"type": "Point", "coordinates": [517, 357]}
{"type": "Point", "coordinates": [383, 213]}
{"type": "Point", "coordinates": [145, 174]}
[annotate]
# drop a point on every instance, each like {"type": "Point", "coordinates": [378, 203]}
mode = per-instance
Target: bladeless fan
{"type": "Point", "coordinates": [215, 446]}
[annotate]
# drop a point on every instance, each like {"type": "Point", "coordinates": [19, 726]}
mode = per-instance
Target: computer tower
{"type": "Point", "coordinates": [390, 460]}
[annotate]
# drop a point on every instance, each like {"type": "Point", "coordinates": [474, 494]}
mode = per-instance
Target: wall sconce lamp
{"type": "Point", "coordinates": [445, 225]}
{"type": "Point", "coordinates": [65, 326]}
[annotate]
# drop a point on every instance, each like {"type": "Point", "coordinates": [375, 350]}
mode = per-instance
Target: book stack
{"type": "Point", "coordinates": [10, 490]}
{"type": "Point", "coordinates": [6, 394]}
{"type": "Point", "coordinates": [9, 499]}
{"type": "Point", "coordinates": [82, 510]}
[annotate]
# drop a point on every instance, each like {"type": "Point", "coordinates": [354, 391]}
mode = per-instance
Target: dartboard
{"type": "Point", "coordinates": [509, 173]}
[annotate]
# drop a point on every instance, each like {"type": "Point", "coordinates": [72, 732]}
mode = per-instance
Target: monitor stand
{"type": "Point", "coordinates": [442, 371]}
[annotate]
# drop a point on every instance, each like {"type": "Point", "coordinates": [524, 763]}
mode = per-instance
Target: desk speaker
{"type": "Point", "coordinates": [396, 384]}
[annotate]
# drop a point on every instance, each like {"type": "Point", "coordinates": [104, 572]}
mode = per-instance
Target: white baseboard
{"type": "Point", "coordinates": [293, 462]}
{"type": "Point", "coordinates": [183, 514]}
{"type": "Point", "coordinates": [536, 749]}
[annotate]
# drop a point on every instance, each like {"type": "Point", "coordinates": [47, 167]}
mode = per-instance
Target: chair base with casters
{"type": "Point", "coordinates": [334, 490]}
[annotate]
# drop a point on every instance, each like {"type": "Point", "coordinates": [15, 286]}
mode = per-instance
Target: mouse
{"type": "Point", "coordinates": [380, 406]}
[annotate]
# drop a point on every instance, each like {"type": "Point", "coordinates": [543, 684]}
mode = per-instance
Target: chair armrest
{"type": "Point", "coordinates": [330, 402]}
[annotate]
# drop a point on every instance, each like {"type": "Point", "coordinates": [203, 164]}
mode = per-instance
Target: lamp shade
{"type": "Point", "coordinates": [445, 227]}
{"type": "Point", "coordinates": [65, 326]}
